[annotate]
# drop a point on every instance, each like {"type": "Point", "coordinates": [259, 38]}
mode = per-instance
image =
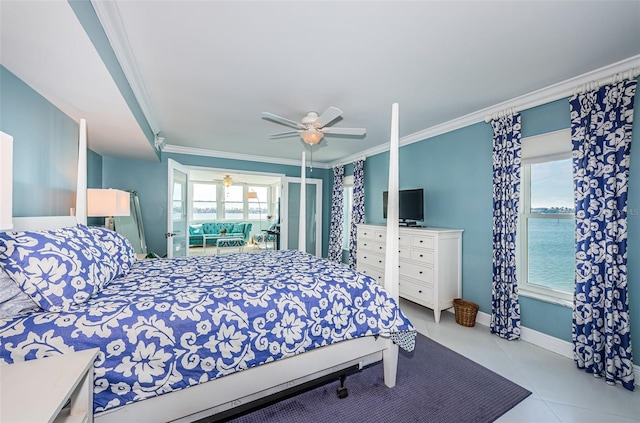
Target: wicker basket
{"type": "Point", "coordinates": [465, 312]}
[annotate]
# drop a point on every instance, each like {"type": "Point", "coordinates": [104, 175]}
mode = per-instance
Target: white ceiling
{"type": "Point", "coordinates": [204, 71]}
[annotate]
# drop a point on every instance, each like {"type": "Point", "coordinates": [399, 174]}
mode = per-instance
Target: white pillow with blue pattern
{"type": "Point", "coordinates": [60, 268]}
{"type": "Point", "coordinates": [118, 246]}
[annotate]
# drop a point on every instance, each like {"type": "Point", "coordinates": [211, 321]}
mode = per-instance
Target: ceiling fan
{"type": "Point", "coordinates": [313, 127]}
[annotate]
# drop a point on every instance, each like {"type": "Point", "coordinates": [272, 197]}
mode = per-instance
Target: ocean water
{"type": "Point", "coordinates": [552, 253]}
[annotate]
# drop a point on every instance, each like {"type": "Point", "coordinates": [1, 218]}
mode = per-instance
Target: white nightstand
{"type": "Point", "coordinates": [36, 390]}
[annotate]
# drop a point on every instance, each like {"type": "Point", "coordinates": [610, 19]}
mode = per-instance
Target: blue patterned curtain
{"type": "Point", "coordinates": [601, 124]}
{"type": "Point", "coordinates": [357, 210]}
{"type": "Point", "coordinates": [505, 306]}
{"type": "Point", "coordinates": [335, 232]}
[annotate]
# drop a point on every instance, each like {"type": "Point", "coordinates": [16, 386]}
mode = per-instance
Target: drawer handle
{"type": "Point", "coordinates": [379, 261]}
{"type": "Point", "coordinates": [420, 241]}
{"type": "Point", "coordinates": [420, 254]}
{"type": "Point", "coordinates": [420, 291]}
{"type": "Point", "coordinates": [421, 272]}
{"type": "Point", "coordinates": [365, 257]}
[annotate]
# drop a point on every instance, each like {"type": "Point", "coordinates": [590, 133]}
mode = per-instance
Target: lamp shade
{"type": "Point", "coordinates": [252, 195]}
{"type": "Point", "coordinates": [6, 181]}
{"type": "Point", "coordinates": [311, 136]}
{"type": "Point", "coordinates": [107, 202]}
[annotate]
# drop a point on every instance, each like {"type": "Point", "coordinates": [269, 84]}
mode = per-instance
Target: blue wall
{"type": "Point", "coordinates": [455, 169]}
{"type": "Point", "coordinates": [149, 180]}
{"type": "Point", "coordinates": [45, 150]}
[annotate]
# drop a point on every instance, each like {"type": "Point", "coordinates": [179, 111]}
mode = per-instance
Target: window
{"type": "Point", "coordinates": [204, 201]}
{"type": "Point", "coordinates": [233, 203]}
{"type": "Point", "coordinates": [347, 202]}
{"type": "Point", "coordinates": [546, 223]}
{"type": "Point", "coordinates": [258, 207]}
{"type": "Point", "coordinates": [213, 201]}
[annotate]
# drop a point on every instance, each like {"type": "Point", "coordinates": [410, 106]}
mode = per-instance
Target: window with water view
{"type": "Point", "coordinates": [547, 226]}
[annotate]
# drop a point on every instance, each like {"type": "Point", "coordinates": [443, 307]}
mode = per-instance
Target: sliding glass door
{"type": "Point", "coordinates": [290, 228]}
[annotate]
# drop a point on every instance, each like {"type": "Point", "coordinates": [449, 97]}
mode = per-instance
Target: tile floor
{"type": "Point", "coordinates": [560, 392]}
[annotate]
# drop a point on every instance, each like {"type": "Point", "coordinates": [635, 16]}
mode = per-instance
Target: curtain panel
{"type": "Point", "coordinates": [505, 306]}
{"type": "Point", "coordinates": [601, 126]}
{"type": "Point", "coordinates": [357, 210]}
{"type": "Point", "coordinates": [337, 205]}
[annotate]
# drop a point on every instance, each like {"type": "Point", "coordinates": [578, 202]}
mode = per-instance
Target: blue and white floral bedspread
{"type": "Point", "coordinates": [172, 323]}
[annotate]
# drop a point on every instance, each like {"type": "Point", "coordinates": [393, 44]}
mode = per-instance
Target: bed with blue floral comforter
{"type": "Point", "coordinates": [172, 323]}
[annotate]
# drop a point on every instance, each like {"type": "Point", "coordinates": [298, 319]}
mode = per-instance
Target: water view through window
{"type": "Point", "coordinates": [550, 226]}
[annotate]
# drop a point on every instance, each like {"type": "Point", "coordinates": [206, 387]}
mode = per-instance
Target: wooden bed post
{"type": "Point", "coordinates": [391, 272]}
{"type": "Point", "coordinates": [302, 227]}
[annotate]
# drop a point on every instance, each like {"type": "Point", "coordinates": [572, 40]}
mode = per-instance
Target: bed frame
{"type": "Point", "coordinates": [241, 388]}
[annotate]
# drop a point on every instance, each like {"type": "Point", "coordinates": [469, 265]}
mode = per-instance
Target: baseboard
{"type": "Point", "coordinates": [547, 342]}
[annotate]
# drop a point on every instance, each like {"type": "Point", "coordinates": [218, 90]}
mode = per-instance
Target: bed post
{"type": "Point", "coordinates": [391, 273]}
{"type": "Point", "coordinates": [302, 228]}
{"type": "Point", "coordinates": [81, 187]}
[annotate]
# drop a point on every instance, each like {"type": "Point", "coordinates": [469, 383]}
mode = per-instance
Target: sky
{"type": "Point", "coordinates": [552, 184]}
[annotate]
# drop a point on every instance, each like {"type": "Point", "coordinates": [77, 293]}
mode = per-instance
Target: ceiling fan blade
{"type": "Point", "coordinates": [329, 115]}
{"type": "Point", "coordinates": [284, 134]}
{"type": "Point", "coordinates": [344, 131]}
{"type": "Point", "coordinates": [280, 119]}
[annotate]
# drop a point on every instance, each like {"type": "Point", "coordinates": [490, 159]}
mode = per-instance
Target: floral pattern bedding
{"type": "Point", "coordinates": [172, 323]}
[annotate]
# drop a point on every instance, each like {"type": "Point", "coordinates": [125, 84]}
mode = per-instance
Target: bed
{"type": "Point", "coordinates": [182, 339]}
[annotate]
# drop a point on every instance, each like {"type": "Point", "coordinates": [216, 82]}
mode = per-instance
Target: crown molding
{"type": "Point", "coordinates": [236, 156]}
{"type": "Point", "coordinates": [539, 97]}
{"type": "Point", "coordinates": [109, 16]}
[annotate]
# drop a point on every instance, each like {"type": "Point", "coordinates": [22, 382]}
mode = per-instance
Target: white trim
{"type": "Point", "coordinates": [548, 342]}
{"type": "Point", "coordinates": [235, 156]}
{"type": "Point", "coordinates": [539, 97]}
{"type": "Point", "coordinates": [109, 16]}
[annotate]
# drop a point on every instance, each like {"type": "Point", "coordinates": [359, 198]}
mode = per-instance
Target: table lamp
{"type": "Point", "coordinates": [108, 203]}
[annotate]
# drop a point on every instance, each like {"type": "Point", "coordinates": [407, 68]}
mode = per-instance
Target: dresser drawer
{"type": "Point", "coordinates": [422, 256]}
{"type": "Point", "coordinates": [404, 252]}
{"type": "Point", "coordinates": [365, 243]}
{"type": "Point", "coordinates": [417, 292]}
{"type": "Point", "coordinates": [367, 258]}
{"type": "Point", "coordinates": [415, 271]}
{"type": "Point", "coordinates": [380, 236]}
{"type": "Point", "coordinates": [422, 241]}
{"type": "Point", "coordinates": [365, 234]}
{"type": "Point", "coordinates": [377, 274]}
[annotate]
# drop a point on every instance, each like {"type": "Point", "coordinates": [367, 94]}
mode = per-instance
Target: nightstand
{"type": "Point", "coordinates": [36, 390]}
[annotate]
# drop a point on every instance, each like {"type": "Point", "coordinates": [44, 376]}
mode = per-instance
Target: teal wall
{"type": "Point", "coordinates": [45, 150]}
{"type": "Point", "coordinates": [149, 180]}
{"type": "Point", "coordinates": [455, 170]}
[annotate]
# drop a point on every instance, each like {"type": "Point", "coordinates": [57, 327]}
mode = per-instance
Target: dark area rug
{"type": "Point", "coordinates": [435, 384]}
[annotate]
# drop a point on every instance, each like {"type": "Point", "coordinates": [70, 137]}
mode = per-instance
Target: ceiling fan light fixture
{"type": "Point", "coordinates": [311, 136]}
{"type": "Point", "coordinates": [227, 181]}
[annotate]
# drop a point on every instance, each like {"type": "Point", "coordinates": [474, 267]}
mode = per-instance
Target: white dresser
{"type": "Point", "coordinates": [430, 263]}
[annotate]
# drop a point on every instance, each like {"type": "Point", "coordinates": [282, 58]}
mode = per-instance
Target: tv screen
{"type": "Point", "coordinates": [411, 204]}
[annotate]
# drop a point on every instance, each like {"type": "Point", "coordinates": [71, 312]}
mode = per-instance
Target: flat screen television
{"type": "Point", "coordinates": [411, 206]}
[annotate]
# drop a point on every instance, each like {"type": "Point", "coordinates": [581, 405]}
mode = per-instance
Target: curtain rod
{"type": "Point", "coordinates": [631, 73]}
{"type": "Point", "coordinates": [348, 161]}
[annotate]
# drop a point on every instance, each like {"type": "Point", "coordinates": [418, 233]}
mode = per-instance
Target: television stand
{"type": "Point", "coordinates": [408, 223]}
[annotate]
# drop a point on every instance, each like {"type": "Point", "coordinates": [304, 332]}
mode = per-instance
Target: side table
{"type": "Point", "coordinates": [236, 242]}
{"type": "Point", "coordinates": [36, 390]}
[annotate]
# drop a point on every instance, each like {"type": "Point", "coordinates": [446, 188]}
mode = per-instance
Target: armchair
{"type": "Point", "coordinates": [268, 237]}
